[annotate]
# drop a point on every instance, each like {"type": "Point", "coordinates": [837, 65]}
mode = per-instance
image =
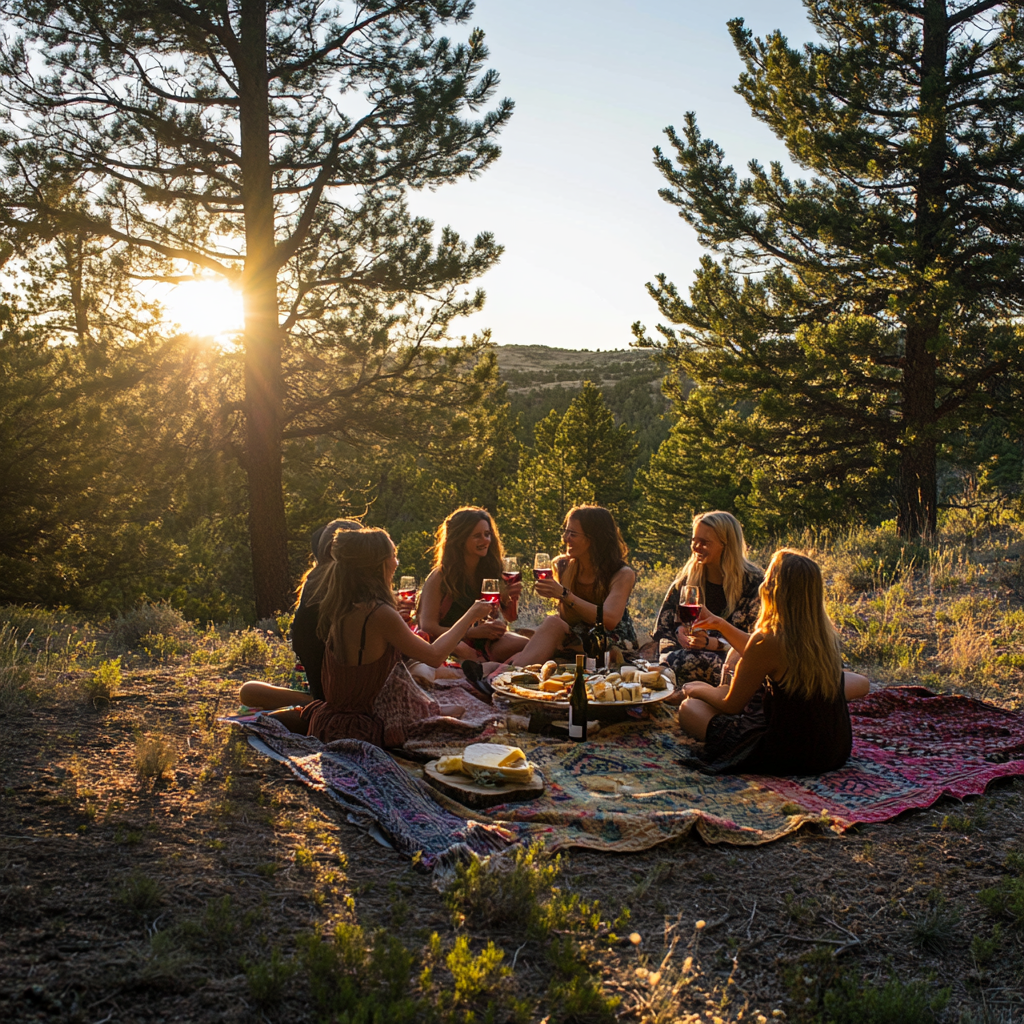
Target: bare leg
{"type": "Point", "coordinates": [505, 646]}
{"type": "Point", "coordinates": [855, 685]}
{"type": "Point", "coordinates": [291, 719]}
{"type": "Point", "coordinates": [255, 694]}
{"type": "Point", "coordinates": [547, 638]}
{"type": "Point", "coordinates": [694, 716]}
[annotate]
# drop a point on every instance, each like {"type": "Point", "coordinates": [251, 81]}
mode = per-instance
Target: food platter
{"type": "Point", "coordinates": [522, 691]}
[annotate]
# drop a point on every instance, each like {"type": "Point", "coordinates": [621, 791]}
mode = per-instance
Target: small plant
{"type": "Point", "coordinates": [268, 979]}
{"type": "Point", "coordinates": [139, 894]}
{"type": "Point", "coordinates": [162, 647]}
{"type": "Point", "coordinates": [154, 755]}
{"type": "Point", "coordinates": [474, 975]}
{"type": "Point", "coordinates": [1006, 899]}
{"type": "Point", "coordinates": [964, 823]}
{"type": "Point", "coordinates": [573, 992]}
{"type": "Point", "coordinates": [506, 889]}
{"type": "Point", "coordinates": [248, 647]}
{"type": "Point", "coordinates": [146, 620]}
{"type": "Point", "coordinates": [933, 932]}
{"type": "Point", "coordinates": [104, 681]}
{"type": "Point", "coordinates": [853, 1002]}
{"type": "Point", "coordinates": [983, 950]}
{"type": "Point", "coordinates": [14, 674]}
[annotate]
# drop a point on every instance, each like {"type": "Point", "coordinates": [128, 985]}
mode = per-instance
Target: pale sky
{"type": "Point", "coordinates": [574, 196]}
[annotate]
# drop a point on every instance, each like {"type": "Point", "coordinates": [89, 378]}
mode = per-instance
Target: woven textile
{"type": "Point", "coordinates": [371, 786]}
{"type": "Point", "coordinates": [626, 790]}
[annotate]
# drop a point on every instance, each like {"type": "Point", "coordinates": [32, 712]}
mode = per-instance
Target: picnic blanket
{"type": "Point", "coordinates": [626, 789]}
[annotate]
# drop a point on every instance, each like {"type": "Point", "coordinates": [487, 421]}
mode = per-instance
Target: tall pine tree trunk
{"type": "Point", "coordinates": [918, 484]}
{"type": "Point", "coordinates": [268, 534]}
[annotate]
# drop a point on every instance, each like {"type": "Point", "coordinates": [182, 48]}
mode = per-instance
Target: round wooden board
{"type": "Point", "coordinates": [463, 789]}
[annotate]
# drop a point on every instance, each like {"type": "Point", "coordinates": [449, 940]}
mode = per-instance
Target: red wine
{"type": "Point", "coordinates": [490, 595]}
{"type": "Point", "coordinates": [407, 595]}
{"type": "Point", "coordinates": [512, 577]}
{"type": "Point", "coordinates": [688, 613]}
{"type": "Point", "coordinates": [543, 574]}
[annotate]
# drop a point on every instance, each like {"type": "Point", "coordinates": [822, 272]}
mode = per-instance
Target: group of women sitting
{"type": "Point", "coordinates": [762, 678]}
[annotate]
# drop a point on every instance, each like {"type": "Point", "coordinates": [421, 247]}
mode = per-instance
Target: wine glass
{"type": "Point", "coordinates": [510, 572]}
{"type": "Point", "coordinates": [689, 605]}
{"type": "Point", "coordinates": [542, 566]}
{"type": "Point", "coordinates": [489, 591]}
{"type": "Point", "coordinates": [407, 588]}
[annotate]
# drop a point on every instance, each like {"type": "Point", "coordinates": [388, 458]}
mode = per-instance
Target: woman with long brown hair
{"type": "Point", "coordinates": [781, 708]}
{"type": "Point", "coordinates": [468, 550]}
{"type": "Point", "coordinates": [365, 638]}
{"type": "Point", "coordinates": [591, 575]}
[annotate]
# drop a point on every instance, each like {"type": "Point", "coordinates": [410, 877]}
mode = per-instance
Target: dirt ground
{"type": "Point", "coordinates": [132, 899]}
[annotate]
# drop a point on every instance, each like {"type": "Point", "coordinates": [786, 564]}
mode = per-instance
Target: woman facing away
{"type": "Point", "coordinates": [365, 638]}
{"type": "Point", "coordinates": [468, 550]}
{"type": "Point", "coordinates": [782, 706]}
{"type": "Point", "coordinates": [591, 573]}
{"type": "Point", "coordinates": [729, 584]}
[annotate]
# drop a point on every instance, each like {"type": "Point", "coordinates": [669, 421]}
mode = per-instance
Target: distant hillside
{"type": "Point", "coordinates": [540, 379]}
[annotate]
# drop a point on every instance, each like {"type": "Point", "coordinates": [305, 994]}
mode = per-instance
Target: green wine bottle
{"type": "Point", "coordinates": [578, 704]}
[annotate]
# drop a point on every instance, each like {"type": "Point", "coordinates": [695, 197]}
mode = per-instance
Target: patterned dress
{"type": "Point", "coordinates": [704, 665]}
{"type": "Point", "coordinates": [622, 636]}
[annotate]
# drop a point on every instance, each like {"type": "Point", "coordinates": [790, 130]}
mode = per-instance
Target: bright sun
{"type": "Point", "coordinates": [209, 309]}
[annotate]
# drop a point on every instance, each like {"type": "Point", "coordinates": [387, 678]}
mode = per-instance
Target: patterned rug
{"type": "Point", "coordinates": [378, 794]}
{"type": "Point", "coordinates": [626, 790]}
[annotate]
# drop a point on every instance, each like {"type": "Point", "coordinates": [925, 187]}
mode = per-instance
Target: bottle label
{"type": "Point", "coordinates": [591, 665]}
{"type": "Point", "coordinates": [575, 731]}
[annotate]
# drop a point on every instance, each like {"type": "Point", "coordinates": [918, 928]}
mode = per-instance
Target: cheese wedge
{"type": "Point", "coordinates": [449, 764]}
{"type": "Point", "coordinates": [630, 673]}
{"type": "Point", "coordinates": [552, 685]}
{"type": "Point", "coordinates": [497, 759]}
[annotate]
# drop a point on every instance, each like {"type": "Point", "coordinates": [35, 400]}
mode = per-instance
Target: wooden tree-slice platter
{"type": "Point", "coordinates": [473, 794]}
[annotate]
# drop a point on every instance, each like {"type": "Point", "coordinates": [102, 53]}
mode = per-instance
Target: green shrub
{"type": "Point", "coordinates": [154, 755]}
{"type": "Point", "coordinates": [934, 930]}
{"type": "Point", "coordinates": [503, 889]}
{"type": "Point", "coordinates": [161, 647]}
{"type": "Point", "coordinates": [14, 673]}
{"type": "Point", "coordinates": [1005, 899]}
{"type": "Point", "coordinates": [139, 894]}
{"type": "Point", "coordinates": [249, 647]}
{"type": "Point", "coordinates": [853, 1002]}
{"type": "Point", "coordinates": [146, 620]}
{"type": "Point", "coordinates": [104, 681]}
{"type": "Point", "coordinates": [268, 979]}
{"type": "Point", "coordinates": [573, 992]}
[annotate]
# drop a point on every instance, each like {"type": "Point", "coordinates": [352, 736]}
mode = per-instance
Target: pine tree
{"type": "Point", "coordinates": [269, 144]}
{"type": "Point", "coordinates": [858, 319]}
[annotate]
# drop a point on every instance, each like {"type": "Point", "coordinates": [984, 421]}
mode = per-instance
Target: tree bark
{"type": "Point", "coordinates": [917, 496]}
{"type": "Point", "coordinates": [268, 533]}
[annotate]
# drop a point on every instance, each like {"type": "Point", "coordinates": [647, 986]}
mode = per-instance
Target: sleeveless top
{"type": "Point", "coordinates": [350, 693]}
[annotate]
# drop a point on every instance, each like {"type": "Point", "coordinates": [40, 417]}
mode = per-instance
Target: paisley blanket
{"type": "Point", "coordinates": [626, 790]}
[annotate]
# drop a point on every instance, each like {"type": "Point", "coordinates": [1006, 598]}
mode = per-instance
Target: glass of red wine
{"type": "Point", "coordinates": [407, 588]}
{"type": "Point", "coordinates": [489, 591]}
{"type": "Point", "coordinates": [510, 571]}
{"type": "Point", "coordinates": [542, 566]}
{"type": "Point", "coordinates": [689, 605]}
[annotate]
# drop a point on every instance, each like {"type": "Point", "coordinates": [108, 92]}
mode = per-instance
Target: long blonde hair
{"type": "Point", "coordinates": [355, 575]}
{"type": "Point", "coordinates": [793, 610]}
{"type": "Point", "coordinates": [735, 564]}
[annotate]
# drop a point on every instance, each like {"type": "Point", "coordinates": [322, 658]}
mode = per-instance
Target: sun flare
{"type": "Point", "coordinates": [209, 309]}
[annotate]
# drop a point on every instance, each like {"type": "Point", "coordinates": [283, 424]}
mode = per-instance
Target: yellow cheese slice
{"type": "Point", "coordinates": [449, 764]}
{"type": "Point", "coordinates": [498, 759]}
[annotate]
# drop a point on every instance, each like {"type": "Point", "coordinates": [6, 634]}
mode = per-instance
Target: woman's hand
{"type": "Point", "coordinates": [406, 606]}
{"type": "Point", "coordinates": [696, 641]}
{"type": "Point", "coordinates": [489, 630]}
{"type": "Point", "coordinates": [512, 591]}
{"type": "Point", "coordinates": [706, 620]}
{"type": "Point", "coordinates": [548, 588]}
{"type": "Point", "coordinates": [481, 610]}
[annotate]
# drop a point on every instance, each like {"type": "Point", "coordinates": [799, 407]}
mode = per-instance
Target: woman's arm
{"type": "Point", "coordinates": [760, 659]}
{"type": "Point", "coordinates": [430, 613]}
{"type": "Point", "coordinates": [614, 604]}
{"type": "Point", "coordinates": [509, 604]}
{"type": "Point", "coordinates": [394, 630]}
{"type": "Point", "coordinates": [735, 637]}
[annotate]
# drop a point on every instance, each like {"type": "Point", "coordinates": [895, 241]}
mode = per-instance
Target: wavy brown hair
{"type": "Point", "coordinates": [608, 550]}
{"type": "Point", "coordinates": [450, 551]}
{"type": "Point", "coordinates": [355, 575]}
{"type": "Point", "coordinates": [793, 609]}
{"type": "Point", "coordinates": [323, 538]}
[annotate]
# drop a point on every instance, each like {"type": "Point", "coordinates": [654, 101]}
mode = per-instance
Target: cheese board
{"type": "Point", "coordinates": [548, 688]}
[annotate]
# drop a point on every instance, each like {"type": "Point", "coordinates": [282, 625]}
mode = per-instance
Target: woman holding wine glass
{"type": "Point", "coordinates": [590, 574]}
{"type": "Point", "coordinates": [719, 576]}
{"type": "Point", "coordinates": [467, 555]}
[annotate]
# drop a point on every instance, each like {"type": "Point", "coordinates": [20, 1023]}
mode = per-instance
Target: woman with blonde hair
{"type": "Point", "coordinates": [729, 584]}
{"type": "Point", "coordinates": [468, 550]}
{"type": "Point", "coordinates": [782, 708]}
{"type": "Point", "coordinates": [365, 639]}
